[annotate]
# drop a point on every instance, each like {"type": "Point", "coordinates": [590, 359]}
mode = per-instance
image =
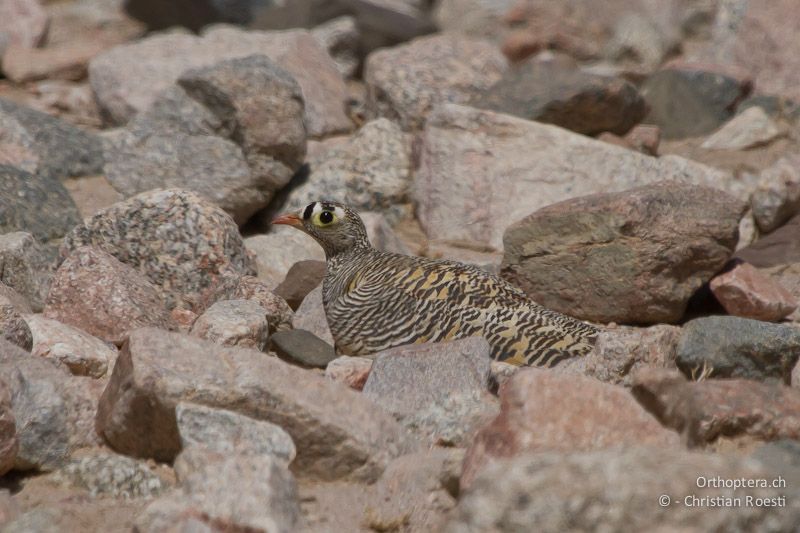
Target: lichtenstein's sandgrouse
{"type": "Point", "coordinates": [376, 300]}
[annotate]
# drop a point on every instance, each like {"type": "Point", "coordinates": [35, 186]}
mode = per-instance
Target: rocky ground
{"type": "Point", "coordinates": [165, 362]}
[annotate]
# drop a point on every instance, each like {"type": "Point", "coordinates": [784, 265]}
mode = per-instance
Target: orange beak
{"type": "Point", "coordinates": [289, 219]}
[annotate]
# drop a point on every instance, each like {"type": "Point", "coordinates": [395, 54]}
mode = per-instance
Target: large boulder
{"type": "Point", "coordinates": [338, 433]}
{"type": "Point", "coordinates": [480, 171]}
{"type": "Point", "coordinates": [179, 241]}
{"type": "Point", "coordinates": [635, 256]}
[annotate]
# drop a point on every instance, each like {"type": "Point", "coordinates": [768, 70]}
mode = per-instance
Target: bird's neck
{"type": "Point", "coordinates": [340, 269]}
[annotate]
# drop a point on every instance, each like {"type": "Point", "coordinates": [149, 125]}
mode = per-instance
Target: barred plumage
{"type": "Point", "coordinates": [376, 300]}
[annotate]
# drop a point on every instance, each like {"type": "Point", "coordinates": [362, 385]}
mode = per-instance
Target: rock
{"type": "Point", "coordinates": [619, 352]}
{"type": "Point", "coordinates": [232, 131]}
{"type": "Point", "coordinates": [111, 475]}
{"type": "Point", "coordinates": [229, 493]}
{"type": "Point", "coordinates": [476, 18]}
{"type": "Point", "coordinates": [338, 433]}
{"type": "Point", "coordinates": [733, 347]}
{"type": "Point", "coordinates": [10, 297]}
{"type": "Point", "coordinates": [704, 411]}
{"type": "Point", "coordinates": [8, 434]}
{"type": "Point", "coordinates": [310, 316]}
{"type": "Point", "coordinates": [481, 256]}
{"type": "Point", "coordinates": [638, 40]}
{"type": "Point", "coordinates": [241, 323]}
{"type": "Point", "coordinates": [381, 235]}
{"type": "Point", "coordinates": [578, 255]}
{"type": "Point", "coordinates": [746, 292]}
{"type": "Point", "coordinates": [181, 242]}
{"type": "Point", "coordinates": [405, 379]}
{"type": "Point", "coordinates": [644, 138]}
{"type": "Point", "coordinates": [24, 23]}
{"type": "Point", "coordinates": [777, 197]}
{"type": "Point", "coordinates": [127, 79]}
{"type": "Point", "coordinates": [55, 148]}
{"type": "Point", "coordinates": [557, 92]}
{"type": "Point", "coordinates": [781, 247]}
{"type": "Point", "coordinates": [407, 81]}
{"type": "Point", "coordinates": [13, 327]}
{"type": "Point", "coordinates": [54, 411]}
{"type": "Point", "coordinates": [94, 292]}
{"type": "Point", "coordinates": [606, 491]}
{"type": "Point", "coordinates": [303, 348]}
{"type": "Point", "coordinates": [229, 433]}
{"type": "Point", "coordinates": [26, 267]}
{"type": "Point", "coordinates": [340, 37]}
{"type": "Point", "coordinates": [352, 371]}
{"type": "Point", "coordinates": [278, 313]}
{"type": "Point", "coordinates": [81, 354]}
{"type": "Point", "coordinates": [371, 171]}
{"type": "Point", "coordinates": [750, 36]}
{"type": "Point", "coordinates": [293, 245]}
{"type": "Point", "coordinates": [302, 278]}
{"type": "Point", "coordinates": [545, 412]}
{"type": "Point", "coordinates": [706, 94]}
{"type": "Point", "coordinates": [487, 170]}
{"type": "Point", "coordinates": [35, 203]}
{"type": "Point", "coordinates": [68, 61]}
{"type": "Point", "coordinates": [749, 129]}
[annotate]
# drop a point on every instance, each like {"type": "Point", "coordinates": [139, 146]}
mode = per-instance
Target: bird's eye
{"type": "Point", "coordinates": [325, 218]}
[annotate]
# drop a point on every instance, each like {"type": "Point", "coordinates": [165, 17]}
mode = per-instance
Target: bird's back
{"type": "Point", "coordinates": [377, 300]}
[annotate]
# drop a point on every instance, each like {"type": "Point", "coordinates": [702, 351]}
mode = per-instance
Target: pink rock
{"type": "Point", "coordinates": [544, 411]}
{"type": "Point", "coordinates": [93, 291]}
{"type": "Point", "coordinates": [352, 371]}
{"type": "Point", "coordinates": [24, 21]}
{"type": "Point", "coordinates": [645, 138]}
{"type": "Point", "coordinates": [746, 292]}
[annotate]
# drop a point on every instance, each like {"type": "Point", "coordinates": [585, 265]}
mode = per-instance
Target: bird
{"type": "Point", "coordinates": [375, 300]}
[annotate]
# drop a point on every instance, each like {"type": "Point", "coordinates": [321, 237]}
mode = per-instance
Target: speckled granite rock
{"type": "Point", "coordinates": [35, 203]}
{"type": "Point", "coordinates": [112, 475]}
{"type": "Point", "coordinates": [8, 433]}
{"type": "Point", "coordinates": [405, 82]}
{"type": "Point", "coordinates": [278, 313]}
{"type": "Point", "coordinates": [181, 242]}
{"type": "Point", "coordinates": [95, 292]}
{"type": "Point", "coordinates": [26, 267]}
{"type": "Point", "coordinates": [57, 149]}
{"type": "Point", "coordinates": [241, 323]}
{"type": "Point", "coordinates": [13, 327]}
{"type": "Point", "coordinates": [9, 296]}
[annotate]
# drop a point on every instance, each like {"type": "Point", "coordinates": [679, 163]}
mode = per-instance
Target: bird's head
{"type": "Point", "coordinates": [335, 227]}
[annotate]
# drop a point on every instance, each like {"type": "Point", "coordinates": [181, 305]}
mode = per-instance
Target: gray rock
{"type": "Point", "coordinates": [338, 433]}
{"type": "Point", "coordinates": [96, 293]}
{"type": "Point", "coordinates": [310, 316]}
{"type": "Point", "coordinates": [606, 491]}
{"type": "Point", "coordinates": [278, 313]}
{"type": "Point", "coordinates": [35, 203]}
{"type": "Point", "coordinates": [26, 267]}
{"type": "Point", "coordinates": [581, 254]}
{"type": "Point", "coordinates": [13, 327]}
{"type": "Point", "coordinates": [278, 250]}
{"type": "Point", "coordinates": [8, 438]}
{"type": "Point", "coordinates": [641, 41]}
{"type": "Point", "coordinates": [229, 493]}
{"type": "Point", "coordinates": [487, 170]}
{"type": "Point", "coordinates": [112, 475]}
{"type": "Point", "coordinates": [476, 18]}
{"type": "Point", "coordinates": [706, 98]}
{"type": "Point", "coordinates": [60, 149]}
{"type": "Point", "coordinates": [777, 197]}
{"type": "Point", "coordinates": [9, 296]}
{"type": "Point", "coordinates": [300, 280]}
{"type": "Point", "coordinates": [181, 242]}
{"type": "Point", "coordinates": [406, 379]}
{"type": "Point", "coordinates": [381, 235]}
{"type": "Point", "coordinates": [54, 411]}
{"type": "Point", "coordinates": [128, 79]}
{"type": "Point", "coordinates": [229, 433]}
{"type": "Point", "coordinates": [750, 129]}
{"type": "Point", "coordinates": [454, 420]}
{"type": "Point", "coordinates": [733, 347]}
{"type": "Point", "coordinates": [82, 354]}
{"type": "Point", "coordinates": [407, 81]}
{"type": "Point", "coordinates": [241, 323]}
{"type": "Point", "coordinates": [303, 347]}
{"type": "Point", "coordinates": [558, 92]}
{"type": "Point", "coordinates": [371, 171]}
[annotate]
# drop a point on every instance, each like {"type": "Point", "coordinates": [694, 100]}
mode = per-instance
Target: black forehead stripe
{"type": "Point", "coordinates": [309, 210]}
